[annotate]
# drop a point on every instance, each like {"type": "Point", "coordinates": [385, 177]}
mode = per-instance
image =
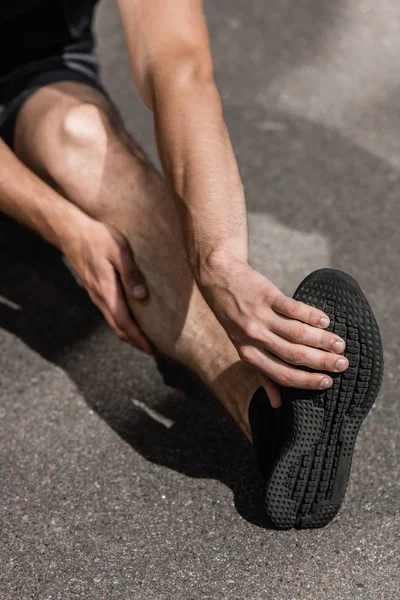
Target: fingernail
{"type": "Point", "coordinates": [139, 291]}
{"type": "Point", "coordinates": [338, 346]}
{"type": "Point", "coordinates": [341, 364]}
{"type": "Point", "coordinates": [324, 322]}
{"type": "Point", "coordinates": [325, 383]}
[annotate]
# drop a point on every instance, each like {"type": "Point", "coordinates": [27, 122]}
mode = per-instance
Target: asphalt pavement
{"type": "Point", "coordinates": [103, 499]}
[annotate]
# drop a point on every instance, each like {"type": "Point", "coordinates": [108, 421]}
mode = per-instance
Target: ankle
{"type": "Point", "coordinates": [234, 388]}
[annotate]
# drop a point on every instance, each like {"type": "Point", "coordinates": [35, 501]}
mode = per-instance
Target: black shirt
{"type": "Point", "coordinates": [31, 30]}
{"type": "Point", "coordinates": [11, 9]}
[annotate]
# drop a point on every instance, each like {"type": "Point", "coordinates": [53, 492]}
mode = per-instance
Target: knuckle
{"type": "Point", "coordinates": [326, 341]}
{"type": "Point", "coordinates": [284, 379]}
{"type": "Point", "coordinates": [298, 332]}
{"type": "Point", "coordinates": [251, 330]}
{"type": "Point", "coordinates": [328, 362]}
{"type": "Point", "coordinates": [307, 385]}
{"type": "Point", "coordinates": [260, 312]}
{"type": "Point", "coordinates": [245, 353]}
{"type": "Point", "coordinates": [312, 313]}
{"type": "Point", "coordinates": [274, 301]}
{"type": "Point", "coordinates": [294, 307]}
{"type": "Point", "coordinates": [280, 299]}
{"type": "Point", "coordinates": [312, 383]}
{"type": "Point", "coordinates": [322, 339]}
{"type": "Point", "coordinates": [297, 356]}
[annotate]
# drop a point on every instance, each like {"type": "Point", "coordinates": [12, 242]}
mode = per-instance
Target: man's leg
{"type": "Point", "coordinates": [72, 136]}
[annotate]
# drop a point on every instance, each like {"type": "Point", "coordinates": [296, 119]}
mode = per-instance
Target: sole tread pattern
{"type": "Point", "coordinates": [308, 481]}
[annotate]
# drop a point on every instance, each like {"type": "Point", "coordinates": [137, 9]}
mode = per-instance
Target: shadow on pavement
{"type": "Point", "coordinates": [328, 184]}
{"type": "Point", "coordinates": [59, 322]}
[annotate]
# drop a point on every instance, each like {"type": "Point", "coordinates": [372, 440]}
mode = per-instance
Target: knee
{"type": "Point", "coordinates": [86, 126]}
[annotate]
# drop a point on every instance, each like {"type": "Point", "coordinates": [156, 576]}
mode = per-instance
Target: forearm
{"type": "Point", "coordinates": [29, 200]}
{"type": "Point", "coordinates": [172, 66]}
{"type": "Point", "coordinates": [199, 163]}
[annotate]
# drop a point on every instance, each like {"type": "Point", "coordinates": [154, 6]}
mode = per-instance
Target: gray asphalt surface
{"type": "Point", "coordinates": [98, 499]}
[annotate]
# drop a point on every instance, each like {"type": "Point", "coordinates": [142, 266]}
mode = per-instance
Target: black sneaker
{"type": "Point", "coordinates": [308, 469]}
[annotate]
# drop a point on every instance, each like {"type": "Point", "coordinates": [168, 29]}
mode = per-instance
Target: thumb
{"type": "Point", "coordinates": [273, 390]}
{"type": "Point", "coordinates": [132, 278]}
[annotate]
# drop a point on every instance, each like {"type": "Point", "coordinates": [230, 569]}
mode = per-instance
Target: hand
{"type": "Point", "coordinates": [103, 261]}
{"type": "Point", "coordinates": [271, 331]}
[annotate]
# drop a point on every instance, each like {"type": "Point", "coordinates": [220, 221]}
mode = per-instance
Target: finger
{"type": "Point", "coordinates": [299, 354]}
{"type": "Point", "coordinates": [281, 372]}
{"type": "Point", "coordinates": [132, 278]}
{"type": "Point", "coordinates": [97, 300]}
{"type": "Point", "coordinates": [301, 333]}
{"type": "Point", "coordinates": [128, 332]}
{"type": "Point", "coordinates": [118, 315]}
{"type": "Point", "coordinates": [123, 319]}
{"type": "Point", "coordinates": [299, 310]}
{"type": "Point", "coordinates": [273, 391]}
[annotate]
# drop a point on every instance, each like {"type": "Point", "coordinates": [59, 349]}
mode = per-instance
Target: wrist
{"type": "Point", "coordinates": [69, 226]}
{"type": "Point", "coordinates": [218, 261]}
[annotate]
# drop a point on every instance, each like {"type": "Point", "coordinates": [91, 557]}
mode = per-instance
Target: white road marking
{"type": "Point", "coordinates": [168, 423]}
{"type": "Point", "coordinates": [10, 303]}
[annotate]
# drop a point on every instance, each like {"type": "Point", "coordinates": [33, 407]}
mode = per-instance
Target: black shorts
{"type": "Point", "coordinates": [71, 59]}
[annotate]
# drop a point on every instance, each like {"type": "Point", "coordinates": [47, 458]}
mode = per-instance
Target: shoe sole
{"type": "Point", "coordinates": [308, 481]}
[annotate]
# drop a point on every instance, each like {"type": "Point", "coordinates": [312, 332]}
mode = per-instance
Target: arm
{"type": "Point", "coordinates": [27, 199]}
{"type": "Point", "coordinates": [171, 62]}
{"type": "Point", "coordinates": [96, 252]}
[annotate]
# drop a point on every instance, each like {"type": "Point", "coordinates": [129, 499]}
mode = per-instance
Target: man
{"type": "Point", "coordinates": [166, 261]}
